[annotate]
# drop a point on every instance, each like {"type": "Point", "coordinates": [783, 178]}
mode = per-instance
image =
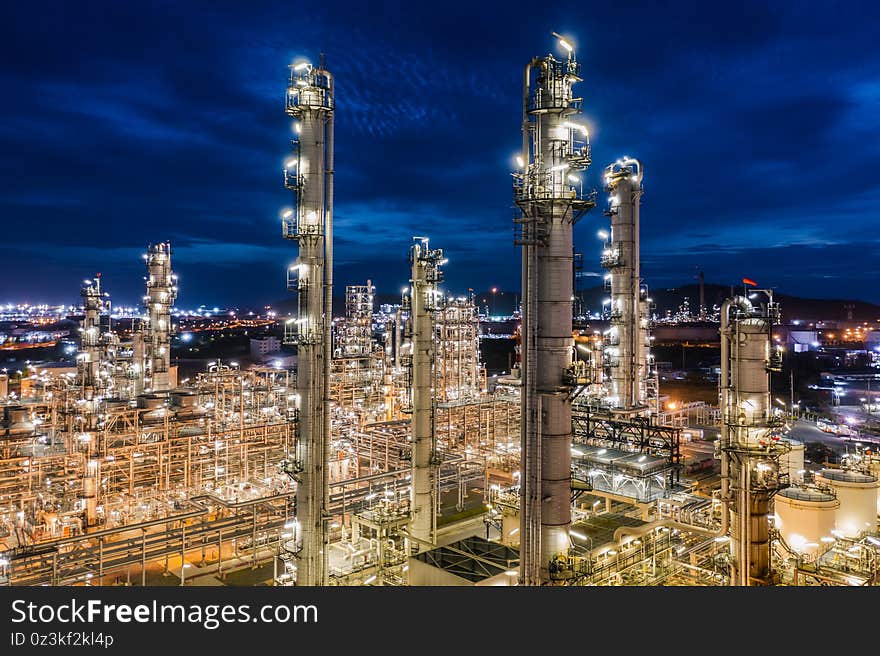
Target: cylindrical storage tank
{"type": "Point", "coordinates": [804, 516]}
{"type": "Point", "coordinates": [17, 420]}
{"type": "Point", "coordinates": [857, 493]}
{"type": "Point", "coordinates": [15, 414]}
{"type": "Point", "coordinates": [150, 401]}
{"type": "Point", "coordinates": [793, 460]}
{"type": "Point", "coordinates": [154, 405]}
{"type": "Point", "coordinates": [874, 468]}
{"type": "Point", "coordinates": [184, 398]}
{"type": "Point", "coordinates": [510, 530]}
{"type": "Point", "coordinates": [112, 404]}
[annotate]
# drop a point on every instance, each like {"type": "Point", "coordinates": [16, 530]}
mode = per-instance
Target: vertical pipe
{"type": "Point", "coordinates": [254, 537]}
{"type": "Point", "coordinates": [328, 324]}
{"type": "Point", "coordinates": [182, 552]}
{"type": "Point", "coordinates": [530, 518]}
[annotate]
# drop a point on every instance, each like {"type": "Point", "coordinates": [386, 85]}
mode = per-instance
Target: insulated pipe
{"type": "Point", "coordinates": [328, 322]}
{"type": "Point", "coordinates": [530, 469]}
{"type": "Point", "coordinates": [638, 531]}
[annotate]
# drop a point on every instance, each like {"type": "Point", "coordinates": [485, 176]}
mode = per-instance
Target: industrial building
{"type": "Point", "coordinates": [377, 453]}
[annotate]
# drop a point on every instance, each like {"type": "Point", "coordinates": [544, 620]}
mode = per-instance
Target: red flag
{"type": "Point", "coordinates": [749, 281]}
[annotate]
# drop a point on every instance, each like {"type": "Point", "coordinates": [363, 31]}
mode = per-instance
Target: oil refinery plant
{"type": "Point", "coordinates": [387, 457]}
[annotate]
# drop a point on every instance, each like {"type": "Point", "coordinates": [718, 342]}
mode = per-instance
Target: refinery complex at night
{"type": "Point", "coordinates": [580, 425]}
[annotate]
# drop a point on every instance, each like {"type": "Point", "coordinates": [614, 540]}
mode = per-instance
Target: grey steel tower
{"type": "Point", "coordinates": [550, 198]}
{"type": "Point", "coordinates": [750, 445]}
{"type": "Point", "coordinates": [89, 358]}
{"type": "Point", "coordinates": [161, 292]}
{"type": "Point", "coordinates": [308, 173]}
{"type": "Point", "coordinates": [627, 343]}
{"type": "Point", "coordinates": [426, 274]}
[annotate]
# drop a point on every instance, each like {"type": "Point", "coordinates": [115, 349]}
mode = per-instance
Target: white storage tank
{"type": "Point", "coordinates": [857, 493]}
{"type": "Point", "coordinates": [804, 516]}
{"type": "Point", "coordinates": [874, 465]}
{"type": "Point", "coordinates": [793, 460]}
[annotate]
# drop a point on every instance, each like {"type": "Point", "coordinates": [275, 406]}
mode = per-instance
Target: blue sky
{"type": "Point", "coordinates": [128, 123]}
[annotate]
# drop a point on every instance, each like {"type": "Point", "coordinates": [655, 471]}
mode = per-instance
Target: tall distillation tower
{"type": "Point", "coordinates": [627, 341]}
{"type": "Point", "coordinates": [750, 446]}
{"type": "Point", "coordinates": [424, 300]}
{"type": "Point", "coordinates": [308, 173]}
{"type": "Point", "coordinates": [549, 195]}
{"type": "Point", "coordinates": [161, 292]}
{"type": "Point", "coordinates": [89, 357]}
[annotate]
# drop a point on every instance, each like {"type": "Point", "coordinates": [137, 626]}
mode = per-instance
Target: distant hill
{"type": "Point", "coordinates": [793, 307]}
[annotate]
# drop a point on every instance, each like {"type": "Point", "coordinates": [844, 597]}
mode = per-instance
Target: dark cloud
{"type": "Point", "coordinates": [122, 125]}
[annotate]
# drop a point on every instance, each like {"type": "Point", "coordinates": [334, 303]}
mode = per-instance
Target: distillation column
{"type": "Point", "coordinates": [750, 449]}
{"type": "Point", "coordinates": [549, 196]}
{"type": "Point", "coordinates": [424, 299]}
{"type": "Point", "coordinates": [89, 358]}
{"type": "Point", "coordinates": [161, 293]}
{"type": "Point", "coordinates": [89, 367]}
{"type": "Point", "coordinates": [308, 173]}
{"type": "Point", "coordinates": [628, 338]}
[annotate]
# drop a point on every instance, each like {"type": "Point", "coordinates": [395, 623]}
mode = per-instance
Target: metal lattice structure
{"type": "Point", "coordinates": [634, 434]}
{"type": "Point", "coordinates": [92, 490]}
{"type": "Point", "coordinates": [459, 374]}
{"type": "Point", "coordinates": [358, 368]}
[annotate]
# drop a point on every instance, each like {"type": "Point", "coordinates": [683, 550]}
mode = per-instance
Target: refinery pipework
{"type": "Point", "coordinates": [627, 341]}
{"type": "Point", "coordinates": [161, 293]}
{"type": "Point", "coordinates": [750, 448]}
{"type": "Point", "coordinates": [424, 299]}
{"type": "Point", "coordinates": [308, 173]}
{"type": "Point", "coordinates": [549, 195]}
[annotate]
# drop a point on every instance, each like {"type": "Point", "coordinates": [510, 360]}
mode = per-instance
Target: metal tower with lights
{"type": "Point", "coordinates": [549, 195]}
{"type": "Point", "coordinates": [308, 173]}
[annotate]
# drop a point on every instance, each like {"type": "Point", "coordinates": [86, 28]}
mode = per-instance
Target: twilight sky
{"type": "Point", "coordinates": [125, 123]}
